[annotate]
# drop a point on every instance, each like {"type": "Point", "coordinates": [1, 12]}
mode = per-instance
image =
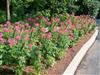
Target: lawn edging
{"type": "Point", "coordinates": [70, 70]}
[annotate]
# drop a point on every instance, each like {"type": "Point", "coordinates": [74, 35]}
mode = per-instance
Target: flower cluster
{"type": "Point", "coordinates": [40, 41]}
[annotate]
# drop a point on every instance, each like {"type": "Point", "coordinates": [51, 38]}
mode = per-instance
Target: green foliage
{"type": "Point", "coordinates": [72, 9]}
{"type": "Point", "coordinates": [21, 9]}
{"type": "Point", "coordinates": [93, 7]}
{"type": "Point", "coordinates": [3, 16]}
{"type": "Point", "coordinates": [76, 34]}
{"type": "Point", "coordinates": [63, 42]}
{"type": "Point", "coordinates": [32, 7]}
{"type": "Point", "coordinates": [88, 7]}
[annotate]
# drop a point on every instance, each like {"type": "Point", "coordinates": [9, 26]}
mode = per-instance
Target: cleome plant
{"type": "Point", "coordinates": [28, 47]}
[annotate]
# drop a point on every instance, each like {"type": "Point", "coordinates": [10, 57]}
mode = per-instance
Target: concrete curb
{"type": "Point", "coordinates": [70, 70]}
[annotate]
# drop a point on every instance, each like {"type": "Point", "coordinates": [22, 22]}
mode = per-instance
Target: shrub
{"type": "Point", "coordinates": [93, 8]}
{"type": "Point", "coordinates": [90, 7]}
{"type": "Point", "coordinates": [72, 9]}
{"type": "Point", "coordinates": [32, 7]}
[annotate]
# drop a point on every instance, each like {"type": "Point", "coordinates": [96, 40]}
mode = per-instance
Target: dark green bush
{"type": "Point", "coordinates": [93, 7]}
{"type": "Point", "coordinates": [88, 7]}
{"type": "Point", "coordinates": [20, 9]}
{"type": "Point", "coordinates": [72, 9]}
{"type": "Point", "coordinates": [32, 7]}
{"type": "Point", "coordinates": [2, 16]}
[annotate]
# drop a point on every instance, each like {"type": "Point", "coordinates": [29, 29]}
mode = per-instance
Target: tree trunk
{"type": "Point", "coordinates": [8, 10]}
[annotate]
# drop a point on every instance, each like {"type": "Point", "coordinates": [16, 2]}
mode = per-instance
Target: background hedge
{"type": "Point", "coordinates": [21, 9]}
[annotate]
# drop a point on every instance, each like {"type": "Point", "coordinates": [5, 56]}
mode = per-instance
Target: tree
{"type": "Point", "coordinates": [8, 10]}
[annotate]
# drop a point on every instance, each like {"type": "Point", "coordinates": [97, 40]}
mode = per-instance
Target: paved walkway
{"type": "Point", "coordinates": [90, 64]}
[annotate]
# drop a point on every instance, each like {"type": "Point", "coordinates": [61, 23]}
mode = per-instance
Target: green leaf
{"type": "Point", "coordinates": [1, 62]}
{"type": "Point", "coordinates": [34, 47]}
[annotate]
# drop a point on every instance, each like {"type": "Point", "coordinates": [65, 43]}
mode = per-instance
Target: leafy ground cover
{"type": "Point", "coordinates": [36, 44]}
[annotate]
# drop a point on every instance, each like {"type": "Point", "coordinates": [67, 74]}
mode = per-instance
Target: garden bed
{"type": "Point", "coordinates": [28, 48]}
{"type": "Point", "coordinates": [61, 65]}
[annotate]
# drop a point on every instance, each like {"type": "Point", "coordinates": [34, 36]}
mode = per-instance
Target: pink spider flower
{"type": "Point", "coordinates": [17, 38]}
{"type": "Point", "coordinates": [29, 69]}
{"type": "Point", "coordinates": [27, 31]}
{"type": "Point", "coordinates": [1, 39]}
{"type": "Point", "coordinates": [17, 23]}
{"type": "Point", "coordinates": [29, 19]}
{"type": "Point", "coordinates": [11, 42]}
{"type": "Point", "coordinates": [73, 26]}
{"type": "Point", "coordinates": [27, 38]}
{"type": "Point", "coordinates": [37, 18]}
{"type": "Point", "coordinates": [6, 30]}
{"type": "Point", "coordinates": [37, 24]}
{"type": "Point", "coordinates": [18, 32]}
{"type": "Point", "coordinates": [57, 19]}
{"type": "Point", "coordinates": [49, 35]}
{"type": "Point", "coordinates": [49, 23]}
{"type": "Point", "coordinates": [65, 29]}
{"type": "Point", "coordinates": [52, 20]}
{"type": "Point", "coordinates": [46, 19]}
{"type": "Point", "coordinates": [69, 21]}
{"type": "Point", "coordinates": [76, 17]}
{"type": "Point", "coordinates": [61, 31]}
{"type": "Point", "coordinates": [1, 34]}
{"type": "Point", "coordinates": [27, 25]}
{"type": "Point", "coordinates": [44, 30]}
{"type": "Point", "coordinates": [34, 21]}
{"type": "Point", "coordinates": [56, 29]}
{"type": "Point", "coordinates": [71, 35]}
{"type": "Point", "coordinates": [33, 29]}
{"type": "Point", "coordinates": [30, 46]}
{"type": "Point", "coordinates": [5, 25]}
{"type": "Point", "coordinates": [8, 23]}
{"type": "Point", "coordinates": [61, 23]}
{"type": "Point", "coordinates": [17, 28]}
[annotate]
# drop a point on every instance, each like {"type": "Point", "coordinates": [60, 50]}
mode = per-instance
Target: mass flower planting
{"type": "Point", "coordinates": [36, 44]}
